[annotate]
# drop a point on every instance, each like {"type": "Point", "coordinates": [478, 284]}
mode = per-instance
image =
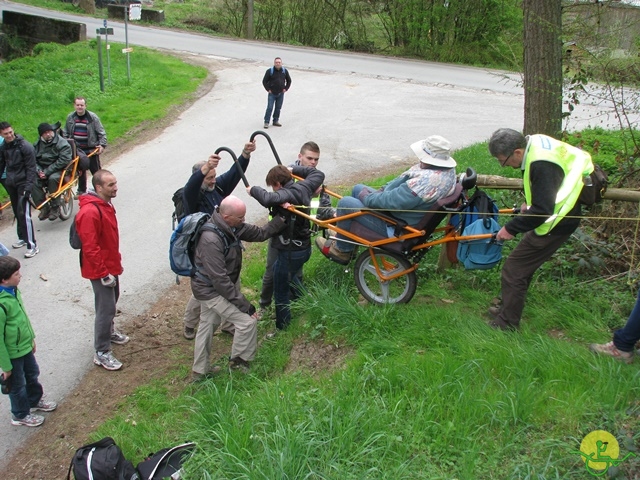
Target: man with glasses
{"type": "Point", "coordinates": [553, 174]}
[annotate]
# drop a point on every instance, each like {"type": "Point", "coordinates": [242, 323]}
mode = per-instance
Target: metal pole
{"type": "Point", "coordinates": [250, 20]}
{"type": "Point", "coordinates": [100, 63]}
{"type": "Point", "coordinates": [106, 43]}
{"type": "Point", "coordinates": [126, 39]}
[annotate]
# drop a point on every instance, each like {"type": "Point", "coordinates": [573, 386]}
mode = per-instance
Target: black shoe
{"type": "Point", "coordinates": [276, 123]}
{"type": "Point", "coordinates": [239, 365]}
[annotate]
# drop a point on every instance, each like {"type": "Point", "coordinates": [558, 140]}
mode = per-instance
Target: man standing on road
{"type": "Point", "coordinates": [100, 262]}
{"type": "Point", "coordinates": [18, 162]}
{"type": "Point", "coordinates": [553, 174]}
{"type": "Point", "coordinates": [203, 193]}
{"type": "Point", "coordinates": [53, 154]}
{"type": "Point", "coordinates": [86, 129]}
{"type": "Point", "coordinates": [218, 260]}
{"type": "Point", "coordinates": [276, 81]}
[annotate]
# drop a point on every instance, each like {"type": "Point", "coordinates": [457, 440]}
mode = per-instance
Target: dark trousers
{"type": "Point", "coordinates": [51, 183]}
{"type": "Point", "coordinates": [288, 263]}
{"type": "Point", "coordinates": [26, 391]}
{"type": "Point", "coordinates": [106, 299]}
{"type": "Point", "coordinates": [266, 294]}
{"type": "Point", "coordinates": [532, 251]}
{"type": "Point", "coordinates": [94, 166]}
{"type": "Point", "coordinates": [274, 103]}
{"type": "Point", "coordinates": [625, 339]}
{"type": "Point", "coordinates": [22, 211]}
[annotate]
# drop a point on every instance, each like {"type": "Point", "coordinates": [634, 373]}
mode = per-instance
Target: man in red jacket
{"type": "Point", "coordinates": [100, 262]}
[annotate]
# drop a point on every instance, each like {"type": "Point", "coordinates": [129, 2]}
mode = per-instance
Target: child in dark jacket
{"type": "Point", "coordinates": [17, 351]}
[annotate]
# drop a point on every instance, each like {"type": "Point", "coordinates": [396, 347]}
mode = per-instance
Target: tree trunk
{"type": "Point", "coordinates": [542, 67]}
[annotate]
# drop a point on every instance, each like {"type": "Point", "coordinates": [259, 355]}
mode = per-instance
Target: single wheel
{"type": "Point", "coordinates": [375, 290]}
{"type": "Point", "coordinates": [66, 205]}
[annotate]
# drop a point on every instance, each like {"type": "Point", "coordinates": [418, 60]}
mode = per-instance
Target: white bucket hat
{"type": "Point", "coordinates": [434, 150]}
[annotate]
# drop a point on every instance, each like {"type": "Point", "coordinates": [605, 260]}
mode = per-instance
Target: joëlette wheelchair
{"type": "Point", "coordinates": [68, 180]}
{"type": "Point", "coordinates": [385, 271]}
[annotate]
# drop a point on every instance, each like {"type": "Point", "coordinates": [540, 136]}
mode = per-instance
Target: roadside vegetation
{"type": "Point", "coordinates": [423, 390]}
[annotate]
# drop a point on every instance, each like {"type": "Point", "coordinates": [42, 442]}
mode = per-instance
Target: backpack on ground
{"type": "Point", "coordinates": [479, 217]}
{"type": "Point", "coordinates": [74, 238]}
{"type": "Point", "coordinates": [102, 460]}
{"type": "Point", "coordinates": [165, 463]}
{"type": "Point", "coordinates": [184, 240]}
{"type": "Point", "coordinates": [594, 189]}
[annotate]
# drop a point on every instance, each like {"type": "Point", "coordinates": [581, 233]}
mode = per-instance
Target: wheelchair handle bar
{"type": "Point", "coordinates": [235, 160]}
{"type": "Point", "coordinates": [265, 135]}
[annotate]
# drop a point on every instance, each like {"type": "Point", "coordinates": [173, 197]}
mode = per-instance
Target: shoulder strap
{"type": "Point", "coordinates": [212, 227]}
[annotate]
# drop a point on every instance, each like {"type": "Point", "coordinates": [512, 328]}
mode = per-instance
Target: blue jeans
{"type": "Point", "coordinates": [348, 205]}
{"type": "Point", "coordinates": [285, 280]}
{"type": "Point", "coordinates": [272, 100]}
{"type": "Point", "coordinates": [266, 294]}
{"type": "Point", "coordinates": [26, 391]}
{"type": "Point", "coordinates": [625, 339]}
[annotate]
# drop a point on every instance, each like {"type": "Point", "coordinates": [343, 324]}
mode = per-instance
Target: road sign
{"type": "Point", "coordinates": [127, 50]}
{"type": "Point", "coordinates": [135, 11]}
{"type": "Point", "coordinates": [104, 31]}
{"type": "Point", "coordinates": [105, 23]}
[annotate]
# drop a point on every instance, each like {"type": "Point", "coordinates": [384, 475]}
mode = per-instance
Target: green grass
{"type": "Point", "coordinates": [425, 391]}
{"type": "Point", "coordinates": [40, 93]}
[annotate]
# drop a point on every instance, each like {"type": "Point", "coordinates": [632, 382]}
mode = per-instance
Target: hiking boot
{"type": "Point", "coordinates": [329, 250]}
{"type": "Point", "coordinates": [494, 311]}
{"type": "Point", "coordinates": [201, 377]}
{"type": "Point", "coordinates": [189, 333]}
{"type": "Point", "coordinates": [266, 125]}
{"type": "Point", "coordinates": [28, 421]}
{"type": "Point", "coordinates": [276, 123]}
{"type": "Point", "coordinates": [611, 350]}
{"type": "Point", "coordinates": [239, 365]}
{"type": "Point", "coordinates": [19, 244]}
{"type": "Point", "coordinates": [505, 326]}
{"type": "Point", "coordinates": [119, 338]}
{"type": "Point", "coordinates": [107, 360]}
{"type": "Point", "coordinates": [44, 213]}
{"type": "Point", "coordinates": [31, 252]}
{"type": "Point", "coordinates": [44, 406]}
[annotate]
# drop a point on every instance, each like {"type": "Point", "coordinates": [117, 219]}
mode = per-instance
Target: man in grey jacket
{"type": "Point", "coordinates": [218, 260]}
{"type": "Point", "coordinates": [86, 129]}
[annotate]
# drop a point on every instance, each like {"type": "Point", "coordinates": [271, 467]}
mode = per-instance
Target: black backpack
{"type": "Point", "coordinates": [74, 238]}
{"type": "Point", "coordinates": [102, 460]}
{"type": "Point", "coordinates": [165, 463]}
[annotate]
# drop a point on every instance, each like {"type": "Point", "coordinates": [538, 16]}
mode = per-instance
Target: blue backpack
{"type": "Point", "coordinates": [479, 217]}
{"type": "Point", "coordinates": [184, 240]}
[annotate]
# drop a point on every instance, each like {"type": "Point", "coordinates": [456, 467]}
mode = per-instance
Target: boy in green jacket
{"type": "Point", "coordinates": [17, 351]}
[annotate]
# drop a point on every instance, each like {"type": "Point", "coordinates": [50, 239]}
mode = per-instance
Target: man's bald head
{"type": "Point", "coordinates": [233, 211]}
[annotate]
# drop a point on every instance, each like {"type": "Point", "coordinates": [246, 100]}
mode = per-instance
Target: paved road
{"type": "Point", "coordinates": [363, 110]}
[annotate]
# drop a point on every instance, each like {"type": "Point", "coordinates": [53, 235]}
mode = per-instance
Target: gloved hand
{"type": "Point", "coordinates": [252, 310]}
{"type": "Point", "coordinates": [108, 281]}
{"type": "Point", "coordinates": [325, 199]}
{"type": "Point", "coordinates": [27, 191]}
{"type": "Point", "coordinates": [365, 192]}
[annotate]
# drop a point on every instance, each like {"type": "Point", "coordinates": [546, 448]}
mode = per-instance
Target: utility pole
{"type": "Point", "coordinates": [249, 19]}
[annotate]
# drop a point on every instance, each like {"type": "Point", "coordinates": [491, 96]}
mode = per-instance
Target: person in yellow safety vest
{"type": "Point", "coordinates": [553, 176]}
{"type": "Point", "coordinates": [309, 156]}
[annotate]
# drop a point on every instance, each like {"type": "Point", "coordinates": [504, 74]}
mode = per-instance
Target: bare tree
{"type": "Point", "coordinates": [542, 67]}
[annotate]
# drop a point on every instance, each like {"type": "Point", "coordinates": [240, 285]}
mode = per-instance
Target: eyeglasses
{"type": "Point", "coordinates": [502, 164]}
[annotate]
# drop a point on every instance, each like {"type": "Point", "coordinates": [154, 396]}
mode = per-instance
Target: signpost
{"type": "Point", "coordinates": [133, 11]}
{"type": "Point", "coordinates": [103, 31]}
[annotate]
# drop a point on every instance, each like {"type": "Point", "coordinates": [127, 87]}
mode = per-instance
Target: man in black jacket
{"type": "Point", "coordinates": [18, 157]}
{"type": "Point", "coordinates": [293, 243]}
{"type": "Point", "coordinates": [276, 81]}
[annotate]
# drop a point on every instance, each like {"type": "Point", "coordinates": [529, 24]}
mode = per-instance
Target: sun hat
{"type": "Point", "coordinates": [434, 150]}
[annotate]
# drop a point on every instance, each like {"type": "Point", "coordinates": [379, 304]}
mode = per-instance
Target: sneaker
{"type": "Point", "coordinates": [44, 213]}
{"type": "Point", "coordinates": [239, 365]}
{"type": "Point", "coordinates": [611, 350]}
{"type": "Point", "coordinates": [329, 250]}
{"type": "Point", "coordinates": [266, 125]}
{"type": "Point", "coordinates": [107, 360]}
{"type": "Point", "coordinates": [119, 338]}
{"type": "Point", "coordinates": [200, 377]}
{"type": "Point", "coordinates": [276, 123]}
{"type": "Point", "coordinates": [45, 406]}
{"type": "Point", "coordinates": [19, 244]}
{"type": "Point", "coordinates": [189, 333]}
{"type": "Point", "coordinates": [28, 421]}
{"type": "Point", "coordinates": [31, 252]}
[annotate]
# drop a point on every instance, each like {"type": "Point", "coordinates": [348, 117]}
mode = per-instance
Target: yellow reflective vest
{"type": "Point", "coordinates": [576, 165]}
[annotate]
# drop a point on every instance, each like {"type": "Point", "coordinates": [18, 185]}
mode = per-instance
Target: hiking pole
{"type": "Point", "coordinates": [273, 148]}
{"type": "Point", "coordinates": [235, 160]}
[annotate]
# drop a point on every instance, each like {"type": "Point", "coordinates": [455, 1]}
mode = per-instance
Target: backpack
{"type": "Point", "coordinates": [102, 460]}
{"type": "Point", "coordinates": [595, 187]}
{"type": "Point", "coordinates": [480, 218]}
{"type": "Point", "coordinates": [178, 204]}
{"type": "Point", "coordinates": [184, 240]}
{"type": "Point", "coordinates": [284, 70]}
{"type": "Point", "coordinates": [165, 463]}
{"type": "Point", "coordinates": [74, 238]}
